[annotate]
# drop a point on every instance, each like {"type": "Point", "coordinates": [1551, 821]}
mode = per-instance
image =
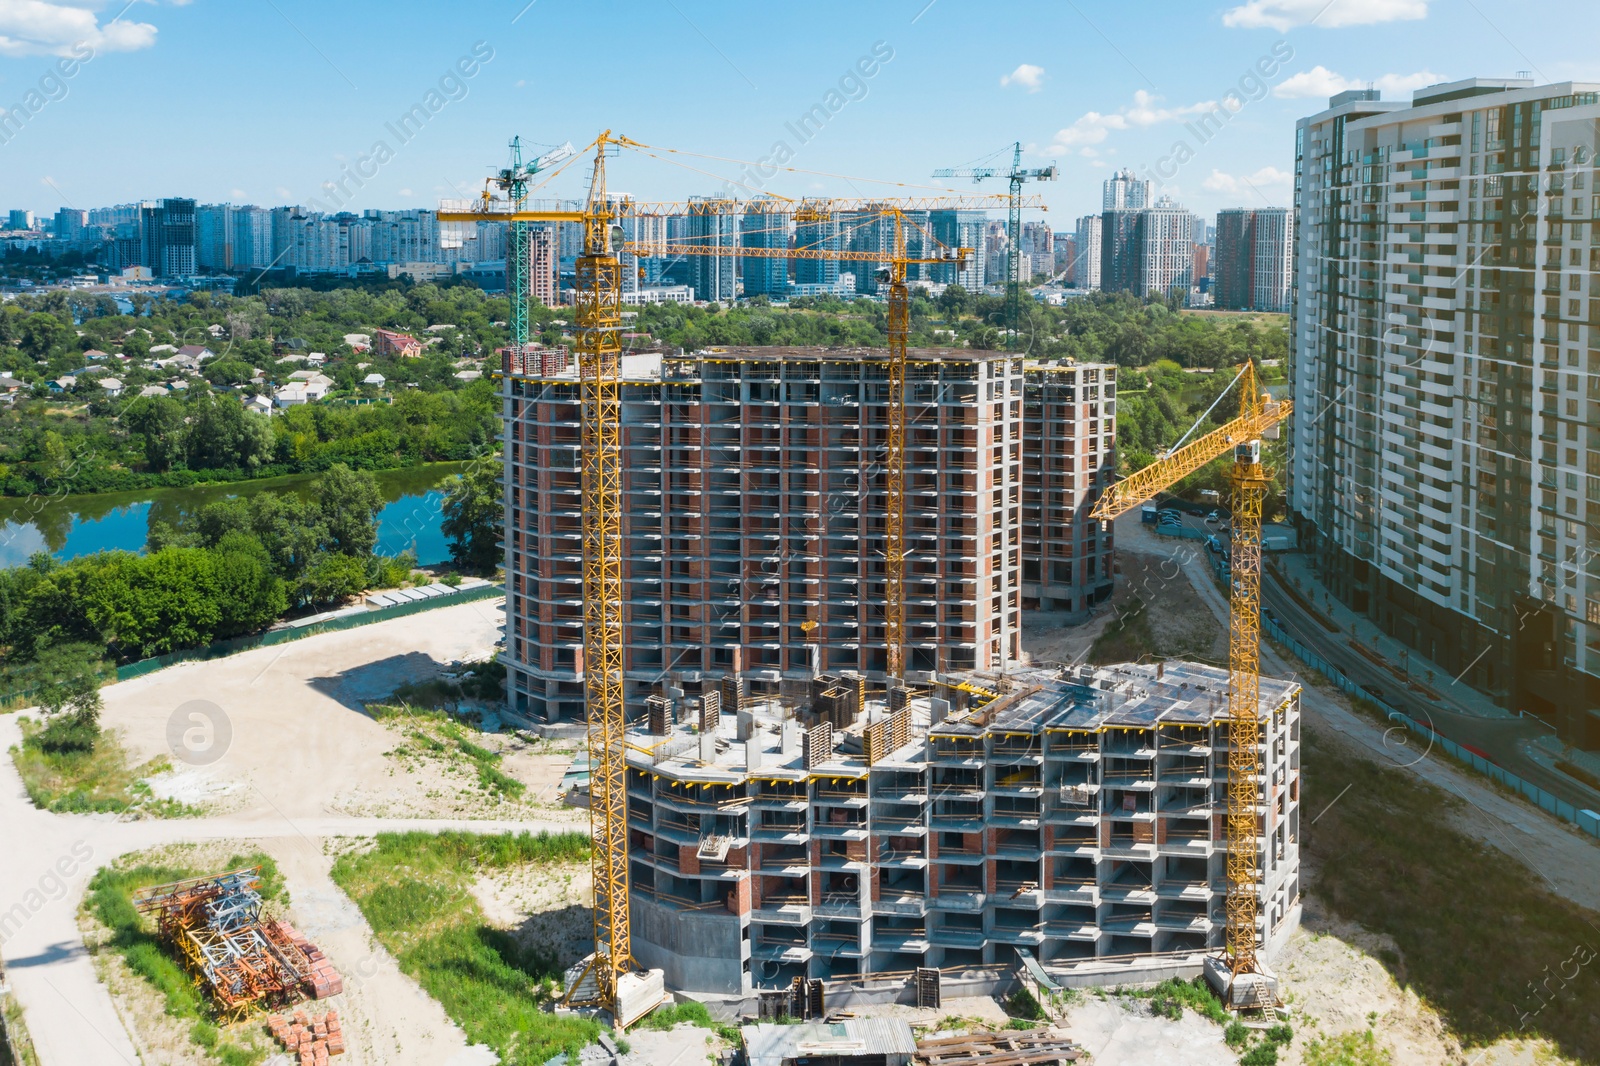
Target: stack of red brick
{"type": "Point", "coordinates": [314, 1039]}
{"type": "Point", "coordinates": [324, 980]}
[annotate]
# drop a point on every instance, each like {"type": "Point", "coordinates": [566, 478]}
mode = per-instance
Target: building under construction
{"type": "Point", "coordinates": [1075, 815]}
{"type": "Point", "coordinates": [752, 514]}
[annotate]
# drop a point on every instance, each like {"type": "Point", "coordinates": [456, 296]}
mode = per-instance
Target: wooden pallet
{"type": "Point", "coordinates": [1023, 1047]}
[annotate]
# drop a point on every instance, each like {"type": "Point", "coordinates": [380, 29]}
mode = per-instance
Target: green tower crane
{"type": "Point", "coordinates": [1016, 176]}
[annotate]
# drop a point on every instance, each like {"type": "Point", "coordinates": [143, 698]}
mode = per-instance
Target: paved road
{"type": "Point", "coordinates": [1462, 718]}
{"type": "Point", "coordinates": [49, 858]}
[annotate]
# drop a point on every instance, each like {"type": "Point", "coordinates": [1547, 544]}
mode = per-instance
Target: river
{"type": "Point", "coordinates": [81, 525]}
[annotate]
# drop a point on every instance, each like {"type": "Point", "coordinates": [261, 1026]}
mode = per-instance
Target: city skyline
{"type": "Point", "coordinates": [442, 108]}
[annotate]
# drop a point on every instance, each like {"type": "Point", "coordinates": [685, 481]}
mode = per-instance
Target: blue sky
{"type": "Point", "coordinates": [263, 101]}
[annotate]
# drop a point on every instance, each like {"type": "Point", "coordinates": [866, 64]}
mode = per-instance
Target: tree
{"type": "Point", "coordinates": [222, 435]}
{"type": "Point", "coordinates": [66, 682]}
{"type": "Point", "coordinates": [158, 420]}
{"type": "Point", "coordinates": [333, 577]}
{"type": "Point", "coordinates": [474, 517]}
{"type": "Point", "coordinates": [42, 333]}
{"type": "Point", "coordinates": [252, 595]}
{"type": "Point", "coordinates": [349, 501]}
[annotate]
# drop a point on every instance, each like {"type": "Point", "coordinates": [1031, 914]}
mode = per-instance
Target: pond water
{"type": "Point", "coordinates": [71, 526]}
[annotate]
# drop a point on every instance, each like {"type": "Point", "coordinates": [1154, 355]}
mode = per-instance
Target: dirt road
{"type": "Point", "coordinates": [298, 742]}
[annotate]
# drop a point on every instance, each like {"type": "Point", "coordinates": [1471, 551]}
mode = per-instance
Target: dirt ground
{"type": "Point", "coordinates": [287, 735]}
{"type": "Point", "coordinates": [545, 908]}
{"type": "Point", "coordinates": [1179, 625]}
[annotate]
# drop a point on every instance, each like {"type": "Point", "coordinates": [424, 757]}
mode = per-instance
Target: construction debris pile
{"type": "Point", "coordinates": [1044, 1046]}
{"type": "Point", "coordinates": [215, 927]}
{"type": "Point", "coordinates": [312, 1038]}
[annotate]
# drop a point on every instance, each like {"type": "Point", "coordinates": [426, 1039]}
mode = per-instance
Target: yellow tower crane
{"type": "Point", "coordinates": [610, 978]}
{"type": "Point", "coordinates": [1258, 416]}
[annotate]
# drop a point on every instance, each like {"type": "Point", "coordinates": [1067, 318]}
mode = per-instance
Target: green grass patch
{"type": "Point", "coordinates": [100, 781]}
{"type": "Point", "coordinates": [435, 732]}
{"type": "Point", "coordinates": [16, 1047]}
{"type": "Point", "coordinates": [1348, 1049]}
{"type": "Point", "coordinates": [1478, 935]}
{"type": "Point", "coordinates": [133, 937]}
{"type": "Point", "coordinates": [676, 1014]}
{"type": "Point", "coordinates": [1169, 998]}
{"type": "Point", "coordinates": [1022, 1005]}
{"type": "Point", "coordinates": [415, 891]}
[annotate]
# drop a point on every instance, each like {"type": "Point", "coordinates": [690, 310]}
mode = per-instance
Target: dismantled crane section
{"type": "Point", "coordinates": [215, 926]}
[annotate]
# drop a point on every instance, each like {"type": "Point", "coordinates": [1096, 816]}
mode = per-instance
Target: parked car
{"type": "Point", "coordinates": [1213, 516]}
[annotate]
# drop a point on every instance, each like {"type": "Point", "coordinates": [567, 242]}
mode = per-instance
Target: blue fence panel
{"type": "Point", "coordinates": [1542, 799]}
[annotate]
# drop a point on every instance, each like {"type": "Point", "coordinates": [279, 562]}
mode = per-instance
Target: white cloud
{"type": "Point", "coordinates": [406, 192]}
{"type": "Point", "coordinates": [1094, 127]}
{"type": "Point", "coordinates": [1320, 81]}
{"type": "Point", "coordinates": [1266, 177]}
{"type": "Point", "coordinates": [1027, 75]}
{"type": "Point", "coordinates": [1284, 15]}
{"type": "Point", "coordinates": [59, 27]}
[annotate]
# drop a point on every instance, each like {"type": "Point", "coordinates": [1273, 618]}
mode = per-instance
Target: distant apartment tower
{"type": "Point", "coordinates": [753, 504]}
{"type": "Point", "coordinates": [70, 224]}
{"type": "Point", "coordinates": [541, 258]}
{"type": "Point", "coordinates": [1069, 433]}
{"type": "Point", "coordinates": [816, 232]}
{"type": "Point", "coordinates": [1088, 252]}
{"type": "Point", "coordinates": [169, 237]}
{"type": "Point", "coordinates": [20, 220]}
{"type": "Point", "coordinates": [214, 236]}
{"type": "Point", "coordinates": [1124, 192]}
{"type": "Point", "coordinates": [713, 224]}
{"type": "Point", "coordinates": [765, 275]}
{"type": "Point", "coordinates": [1446, 334]}
{"type": "Point", "coordinates": [960, 229]}
{"type": "Point", "coordinates": [1255, 259]}
{"type": "Point", "coordinates": [1147, 252]}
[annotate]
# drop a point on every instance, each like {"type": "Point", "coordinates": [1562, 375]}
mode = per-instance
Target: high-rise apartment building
{"type": "Point", "coordinates": [753, 504]}
{"type": "Point", "coordinates": [214, 236]}
{"type": "Point", "coordinates": [1254, 259]}
{"type": "Point", "coordinates": [1445, 334]}
{"type": "Point", "coordinates": [1147, 251]}
{"type": "Point", "coordinates": [70, 223]}
{"type": "Point", "coordinates": [1124, 192]}
{"type": "Point", "coordinates": [168, 233]}
{"type": "Point", "coordinates": [817, 231]}
{"type": "Point", "coordinates": [960, 229]}
{"type": "Point", "coordinates": [765, 275]}
{"type": "Point", "coordinates": [20, 220]}
{"type": "Point", "coordinates": [1069, 429]}
{"type": "Point", "coordinates": [713, 224]}
{"type": "Point", "coordinates": [1089, 232]}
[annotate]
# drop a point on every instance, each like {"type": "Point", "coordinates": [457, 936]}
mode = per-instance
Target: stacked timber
{"type": "Point", "coordinates": [1045, 1046]}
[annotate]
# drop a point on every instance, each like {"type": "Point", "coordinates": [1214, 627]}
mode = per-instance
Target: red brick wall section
{"type": "Point", "coordinates": [856, 850]}
{"type": "Point", "coordinates": [1105, 833]}
{"type": "Point", "coordinates": [739, 898]}
{"type": "Point", "coordinates": [755, 856]}
{"type": "Point", "coordinates": [933, 846]}
{"type": "Point", "coordinates": [1049, 877]}
{"type": "Point", "coordinates": [973, 842]}
{"type": "Point", "coordinates": [738, 859]}
{"type": "Point", "coordinates": [991, 838]}
{"type": "Point", "coordinates": [1048, 837]}
{"type": "Point", "coordinates": [755, 893]}
{"type": "Point", "coordinates": [989, 877]}
{"type": "Point", "coordinates": [689, 859]}
{"type": "Point", "coordinates": [1218, 822]}
{"type": "Point", "coordinates": [816, 889]}
{"type": "Point", "coordinates": [877, 885]}
{"type": "Point", "coordinates": [1161, 830]}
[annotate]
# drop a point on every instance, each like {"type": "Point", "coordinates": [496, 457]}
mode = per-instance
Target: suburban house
{"type": "Point", "coordinates": [112, 386]}
{"type": "Point", "coordinates": [376, 380]}
{"type": "Point", "coordinates": [388, 342]}
{"type": "Point", "coordinates": [198, 352]}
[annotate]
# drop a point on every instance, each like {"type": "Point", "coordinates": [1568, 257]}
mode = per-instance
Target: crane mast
{"type": "Point", "coordinates": [1258, 416]}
